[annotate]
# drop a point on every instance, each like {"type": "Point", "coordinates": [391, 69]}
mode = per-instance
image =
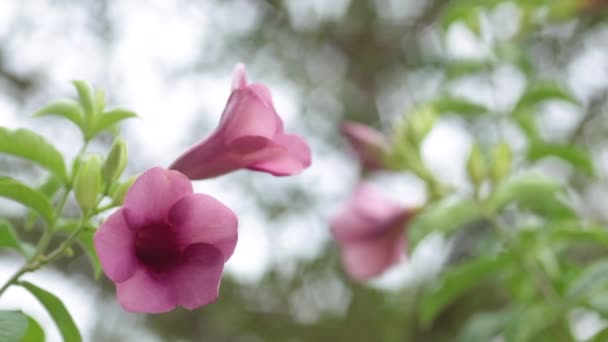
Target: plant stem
{"type": "Point", "coordinates": [65, 244]}
{"type": "Point", "coordinates": [37, 260]}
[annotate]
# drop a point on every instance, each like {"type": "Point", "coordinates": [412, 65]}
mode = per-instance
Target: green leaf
{"type": "Point", "coordinates": [100, 101]}
{"type": "Point", "coordinates": [591, 279]}
{"type": "Point", "coordinates": [27, 196]}
{"type": "Point", "coordinates": [445, 217]}
{"type": "Point", "coordinates": [531, 191]}
{"type": "Point", "coordinates": [571, 154]}
{"type": "Point", "coordinates": [85, 94]}
{"type": "Point", "coordinates": [534, 323]}
{"type": "Point", "coordinates": [459, 105]}
{"type": "Point", "coordinates": [463, 68]}
{"type": "Point", "coordinates": [50, 186]}
{"type": "Point", "coordinates": [26, 144]}
{"type": "Point", "coordinates": [458, 280]}
{"type": "Point", "coordinates": [13, 325]}
{"type": "Point", "coordinates": [68, 109]}
{"type": "Point", "coordinates": [596, 235]}
{"type": "Point", "coordinates": [109, 118]}
{"type": "Point", "coordinates": [485, 326]}
{"type": "Point", "coordinates": [8, 237]}
{"type": "Point", "coordinates": [544, 91]}
{"type": "Point", "coordinates": [600, 336]}
{"type": "Point", "coordinates": [57, 310]}
{"type": "Point", "coordinates": [526, 120]}
{"type": "Point", "coordinates": [34, 332]}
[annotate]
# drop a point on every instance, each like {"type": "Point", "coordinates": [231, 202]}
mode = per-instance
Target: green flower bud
{"type": "Point", "coordinates": [115, 163]}
{"type": "Point", "coordinates": [476, 166]}
{"type": "Point", "coordinates": [420, 122]}
{"type": "Point", "coordinates": [88, 184]}
{"type": "Point", "coordinates": [502, 157]}
{"type": "Point", "coordinates": [118, 193]}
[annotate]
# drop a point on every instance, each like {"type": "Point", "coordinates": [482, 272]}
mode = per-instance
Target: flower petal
{"type": "Point", "coordinates": [152, 195]}
{"type": "Point", "coordinates": [239, 76]}
{"type": "Point", "coordinates": [114, 245]}
{"type": "Point", "coordinates": [368, 144]}
{"type": "Point", "coordinates": [199, 218]}
{"type": "Point", "coordinates": [146, 291]}
{"type": "Point", "coordinates": [367, 213]}
{"type": "Point", "coordinates": [296, 146]}
{"type": "Point", "coordinates": [196, 282]}
{"type": "Point", "coordinates": [373, 204]}
{"type": "Point", "coordinates": [367, 258]}
{"type": "Point", "coordinates": [247, 115]}
{"type": "Point", "coordinates": [263, 93]}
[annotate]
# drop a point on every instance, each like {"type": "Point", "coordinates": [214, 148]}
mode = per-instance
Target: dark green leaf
{"type": "Point", "coordinates": [601, 336]}
{"type": "Point", "coordinates": [573, 155]}
{"type": "Point", "coordinates": [445, 217]}
{"type": "Point", "coordinates": [598, 235]}
{"type": "Point", "coordinates": [68, 109]}
{"type": "Point", "coordinates": [8, 237]}
{"type": "Point", "coordinates": [27, 196]}
{"type": "Point", "coordinates": [591, 279]}
{"type": "Point", "coordinates": [13, 325]}
{"type": "Point", "coordinates": [57, 310]}
{"type": "Point", "coordinates": [531, 191]}
{"type": "Point", "coordinates": [109, 118]}
{"type": "Point", "coordinates": [459, 279]}
{"type": "Point", "coordinates": [459, 105]}
{"type": "Point", "coordinates": [532, 323]}
{"type": "Point", "coordinates": [34, 331]}
{"type": "Point", "coordinates": [544, 91]}
{"type": "Point", "coordinates": [26, 144]}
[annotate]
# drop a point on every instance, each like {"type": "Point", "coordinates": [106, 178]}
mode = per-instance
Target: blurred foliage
{"type": "Point", "coordinates": [525, 254]}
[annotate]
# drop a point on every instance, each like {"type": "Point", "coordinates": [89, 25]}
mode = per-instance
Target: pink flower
{"type": "Point", "coordinates": [167, 245]}
{"type": "Point", "coordinates": [369, 145]}
{"type": "Point", "coordinates": [369, 231]}
{"type": "Point", "coordinates": [250, 135]}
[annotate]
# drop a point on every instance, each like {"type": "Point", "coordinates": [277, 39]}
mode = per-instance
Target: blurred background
{"type": "Point", "coordinates": [325, 61]}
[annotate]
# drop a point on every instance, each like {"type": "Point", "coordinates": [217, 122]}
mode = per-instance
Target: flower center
{"type": "Point", "coordinates": [156, 246]}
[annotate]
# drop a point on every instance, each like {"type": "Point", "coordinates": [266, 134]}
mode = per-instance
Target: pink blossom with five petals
{"type": "Point", "coordinates": [166, 246]}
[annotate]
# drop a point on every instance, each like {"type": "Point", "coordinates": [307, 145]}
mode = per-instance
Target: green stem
{"type": "Point", "coordinates": [67, 242]}
{"type": "Point", "coordinates": [37, 260]}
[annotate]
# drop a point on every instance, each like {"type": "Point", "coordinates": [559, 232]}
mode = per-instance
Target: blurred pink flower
{"type": "Point", "coordinates": [250, 135]}
{"type": "Point", "coordinates": [369, 231]}
{"type": "Point", "coordinates": [368, 144]}
{"type": "Point", "coordinates": [166, 246]}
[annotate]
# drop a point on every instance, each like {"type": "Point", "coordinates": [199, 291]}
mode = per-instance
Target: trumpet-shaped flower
{"type": "Point", "coordinates": [166, 246]}
{"type": "Point", "coordinates": [369, 231]}
{"type": "Point", "coordinates": [369, 145]}
{"type": "Point", "coordinates": [250, 135]}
